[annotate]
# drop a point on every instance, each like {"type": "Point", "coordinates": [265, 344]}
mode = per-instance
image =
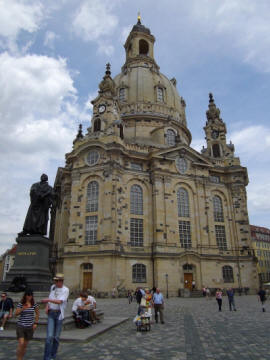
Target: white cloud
{"type": "Point", "coordinates": [39, 114]}
{"type": "Point", "coordinates": [241, 25]}
{"type": "Point", "coordinates": [93, 21]}
{"type": "Point", "coordinates": [15, 16]}
{"type": "Point", "coordinates": [50, 38]}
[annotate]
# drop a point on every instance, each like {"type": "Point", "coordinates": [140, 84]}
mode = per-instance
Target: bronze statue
{"type": "Point", "coordinates": [41, 195]}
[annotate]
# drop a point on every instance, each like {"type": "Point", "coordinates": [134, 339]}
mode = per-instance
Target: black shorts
{"type": "Point", "coordinates": [24, 332]}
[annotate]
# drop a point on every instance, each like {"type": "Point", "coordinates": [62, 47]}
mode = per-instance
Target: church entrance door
{"type": "Point", "coordinates": [87, 280]}
{"type": "Point", "coordinates": [188, 277]}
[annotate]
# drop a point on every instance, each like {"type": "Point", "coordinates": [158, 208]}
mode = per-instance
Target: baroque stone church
{"type": "Point", "coordinates": [137, 205]}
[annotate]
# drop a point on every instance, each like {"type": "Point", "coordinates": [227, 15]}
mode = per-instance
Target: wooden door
{"type": "Point", "coordinates": [87, 280]}
{"type": "Point", "coordinates": [188, 280]}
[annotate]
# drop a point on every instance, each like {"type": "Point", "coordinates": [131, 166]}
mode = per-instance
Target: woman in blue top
{"type": "Point", "coordinates": [28, 313]}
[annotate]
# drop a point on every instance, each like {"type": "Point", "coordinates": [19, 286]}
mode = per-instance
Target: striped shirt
{"type": "Point", "coordinates": [27, 316]}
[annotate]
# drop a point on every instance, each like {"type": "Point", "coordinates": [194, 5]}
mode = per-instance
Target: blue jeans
{"type": "Point", "coordinates": [54, 328]}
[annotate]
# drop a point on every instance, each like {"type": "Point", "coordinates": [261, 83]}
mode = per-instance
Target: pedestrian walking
{"type": "Point", "coordinates": [208, 293]}
{"type": "Point", "coordinates": [230, 294]}
{"type": "Point", "coordinates": [55, 308]}
{"type": "Point", "coordinates": [193, 285]}
{"type": "Point", "coordinates": [129, 296]}
{"type": "Point", "coordinates": [28, 313]}
{"type": "Point", "coordinates": [204, 291]}
{"type": "Point", "coordinates": [158, 301]}
{"type": "Point", "coordinates": [262, 297]}
{"type": "Point", "coordinates": [219, 298]}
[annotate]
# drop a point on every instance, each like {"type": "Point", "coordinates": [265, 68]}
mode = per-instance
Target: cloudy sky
{"type": "Point", "coordinates": [53, 55]}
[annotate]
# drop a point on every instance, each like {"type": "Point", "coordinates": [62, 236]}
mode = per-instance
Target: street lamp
{"type": "Point", "coordinates": [167, 294]}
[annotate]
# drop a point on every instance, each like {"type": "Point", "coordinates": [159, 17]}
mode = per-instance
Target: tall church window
{"type": "Point", "coordinates": [218, 209]}
{"type": "Point", "coordinates": [216, 150]}
{"type": "Point", "coordinates": [136, 200]}
{"type": "Point", "coordinates": [121, 131]}
{"type": "Point", "coordinates": [92, 197]}
{"type": "Point", "coordinates": [97, 125]}
{"type": "Point", "coordinates": [122, 94]}
{"type": "Point", "coordinates": [227, 273]}
{"type": "Point", "coordinates": [160, 94]}
{"type": "Point", "coordinates": [91, 230]}
{"type": "Point", "coordinates": [136, 232]}
{"type": "Point", "coordinates": [185, 234]}
{"type": "Point", "coordinates": [139, 273]}
{"type": "Point", "coordinates": [183, 202]}
{"type": "Point", "coordinates": [221, 237]}
{"type": "Point", "coordinates": [170, 137]}
{"type": "Point", "coordinates": [143, 47]}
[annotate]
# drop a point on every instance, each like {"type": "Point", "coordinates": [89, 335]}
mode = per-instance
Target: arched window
{"type": "Point", "coordinates": [97, 125]}
{"type": "Point", "coordinates": [183, 202]}
{"type": "Point", "coordinates": [87, 266]}
{"type": "Point", "coordinates": [216, 150]}
{"type": "Point", "coordinates": [92, 197]}
{"type": "Point", "coordinates": [160, 94]}
{"type": "Point", "coordinates": [170, 137]}
{"type": "Point", "coordinates": [187, 267]}
{"type": "Point", "coordinates": [227, 273]}
{"type": "Point", "coordinates": [139, 273]}
{"type": "Point", "coordinates": [136, 200]}
{"type": "Point", "coordinates": [143, 47]}
{"type": "Point", "coordinates": [218, 209]}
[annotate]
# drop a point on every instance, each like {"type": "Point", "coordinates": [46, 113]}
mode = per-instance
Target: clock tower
{"type": "Point", "coordinates": [106, 112]}
{"type": "Point", "coordinates": [215, 134]}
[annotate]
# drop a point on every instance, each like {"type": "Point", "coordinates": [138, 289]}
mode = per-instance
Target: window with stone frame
{"type": "Point", "coordinates": [221, 237]}
{"type": "Point", "coordinates": [92, 196]}
{"type": "Point", "coordinates": [91, 223]}
{"type": "Point", "coordinates": [227, 272]}
{"type": "Point", "coordinates": [185, 234]}
{"type": "Point", "coordinates": [182, 202]}
{"type": "Point", "coordinates": [136, 166]}
{"type": "Point", "coordinates": [136, 200]}
{"type": "Point", "coordinates": [160, 94]}
{"type": "Point", "coordinates": [139, 273]}
{"type": "Point", "coordinates": [170, 137]}
{"type": "Point", "coordinates": [218, 209]}
{"type": "Point", "coordinates": [122, 94]}
{"type": "Point", "coordinates": [136, 232]}
{"type": "Point", "coordinates": [97, 125]}
{"type": "Point", "coordinates": [216, 150]}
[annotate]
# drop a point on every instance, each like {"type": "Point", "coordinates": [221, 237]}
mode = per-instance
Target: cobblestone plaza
{"type": "Point", "coordinates": [194, 329]}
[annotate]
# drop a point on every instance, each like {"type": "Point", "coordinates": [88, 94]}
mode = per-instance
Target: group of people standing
{"type": "Point", "coordinates": [147, 300]}
{"type": "Point", "coordinates": [27, 312]}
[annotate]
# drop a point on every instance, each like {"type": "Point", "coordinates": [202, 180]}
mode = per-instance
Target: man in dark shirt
{"type": "Point", "coordinates": [262, 297]}
{"type": "Point", "coordinates": [230, 294]}
{"type": "Point", "coordinates": [6, 309]}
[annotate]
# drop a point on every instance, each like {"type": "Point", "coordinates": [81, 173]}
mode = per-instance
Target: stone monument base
{"type": "Point", "coordinates": [31, 263]}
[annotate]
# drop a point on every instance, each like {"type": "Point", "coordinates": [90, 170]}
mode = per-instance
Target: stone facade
{"type": "Point", "coordinates": [137, 205]}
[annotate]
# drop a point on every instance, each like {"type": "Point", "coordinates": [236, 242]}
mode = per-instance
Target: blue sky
{"type": "Point", "coordinates": [53, 56]}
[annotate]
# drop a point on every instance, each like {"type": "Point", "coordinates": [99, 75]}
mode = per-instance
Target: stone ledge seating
{"type": "Point", "coordinates": [68, 322]}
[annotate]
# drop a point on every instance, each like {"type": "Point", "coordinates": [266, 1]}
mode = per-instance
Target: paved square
{"type": "Point", "coordinates": [194, 329]}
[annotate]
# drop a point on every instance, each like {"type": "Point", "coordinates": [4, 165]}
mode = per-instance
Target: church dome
{"type": "Point", "coordinates": [143, 91]}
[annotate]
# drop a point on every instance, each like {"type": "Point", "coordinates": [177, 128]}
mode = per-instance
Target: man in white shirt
{"type": "Point", "coordinates": [80, 307]}
{"type": "Point", "coordinates": [55, 307]}
{"type": "Point", "coordinates": [92, 308]}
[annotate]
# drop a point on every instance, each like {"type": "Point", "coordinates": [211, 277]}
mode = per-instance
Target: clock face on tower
{"type": "Point", "coordinates": [101, 108]}
{"type": "Point", "coordinates": [215, 134]}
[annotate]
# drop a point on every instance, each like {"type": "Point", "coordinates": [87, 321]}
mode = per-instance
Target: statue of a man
{"type": "Point", "coordinates": [41, 195]}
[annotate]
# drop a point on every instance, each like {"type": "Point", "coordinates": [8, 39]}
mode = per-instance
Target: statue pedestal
{"type": "Point", "coordinates": [31, 262]}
